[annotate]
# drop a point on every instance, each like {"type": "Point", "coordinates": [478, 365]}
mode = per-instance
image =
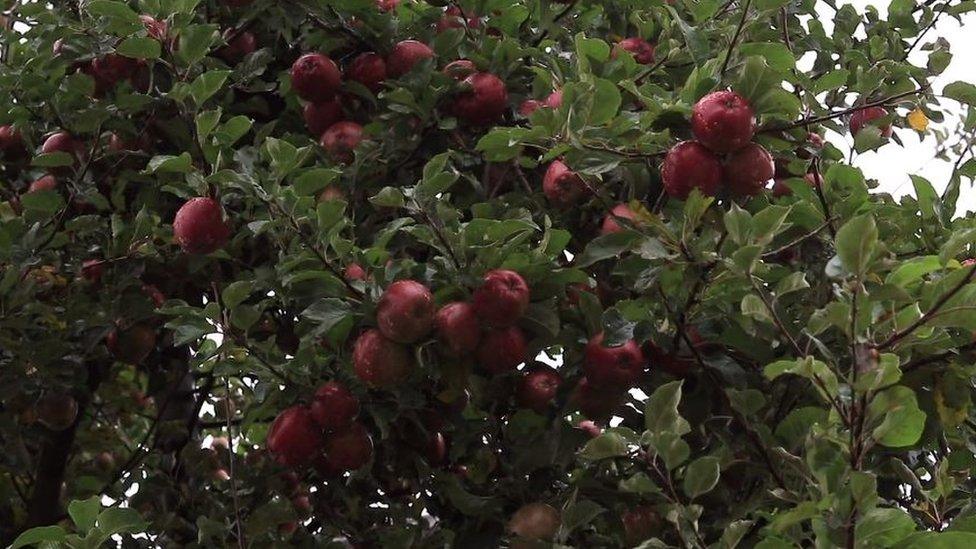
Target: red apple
{"type": "Point", "coordinates": [369, 69]}
{"type": "Point", "coordinates": [320, 116]}
{"type": "Point", "coordinates": [458, 328]}
{"type": "Point", "coordinates": [341, 139]}
{"type": "Point", "coordinates": [689, 165]}
{"type": "Point", "coordinates": [502, 350]}
{"type": "Point", "coordinates": [302, 504]}
{"type": "Point", "coordinates": [589, 427]}
{"type": "Point", "coordinates": [43, 183]}
{"type": "Point", "coordinates": [294, 438]}
{"type": "Point", "coordinates": [748, 170]}
{"type": "Point", "coordinates": [723, 121]}
{"type": "Point", "coordinates": [11, 142]}
{"type": "Point", "coordinates": [199, 226]}
{"type": "Point", "coordinates": [555, 99]}
{"type": "Point", "coordinates": [529, 106]}
{"type": "Point", "coordinates": [535, 521]}
{"type": "Point", "coordinates": [315, 77]}
{"type": "Point", "coordinates": [405, 312]}
{"type": "Point", "coordinates": [436, 449]}
{"type": "Point", "coordinates": [502, 298]}
{"type": "Point", "coordinates": [595, 402]}
{"type": "Point", "coordinates": [380, 362]}
{"type": "Point", "coordinates": [537, 388]}
{"type": "Point", "coordinates": [63, 142]}
{"type": "Point", "coordinates": [640, 523]}
{"type": "Point", "coordinates": [157, 297]}
{"type": "Point", "coordinates": [57, 411]}
{"type": "Point", "coordinates": [155, 28]}
{"type": "Point", "coordinates": [405, 55]}
{"type": "Point", "coordinates": [349, 449]}
{"type": "Point", "coordinates": [112, 68]}
{"type": "Point", "coordinates": [460, 69]}
{"type": "Point", "coordinates": [613, 367]}
{"type": "Point", "coordinates": [239, 45]}
{"type": "Point", "coordinates": [92, 270]}
{"type": "Point", "coordinates": [454, 18]}
{"type": "Point", "coordinates": [562, 186]}
{"type": "Point", "coordinates": [334, 406]}
{"type": "Point", "coordinates": [484, 100]}
{"type": "Point", "coordinates": [642, 50]}
{"type": "Point", "coordinates": [866, 116]}
{"type": "Point", "coordinates": [132, 345]}
{"type": "Point", "coordinates": [331, 192]}
{"type": "Point", "coordinates": [610, 224]}
{"type": "Point", "coordinates": [387, 5]}
{"type": "Point", "coordinates": [354, 271]}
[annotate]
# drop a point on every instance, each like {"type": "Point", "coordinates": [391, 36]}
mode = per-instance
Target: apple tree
{"type": "Point", "coordinates": [404, 273]}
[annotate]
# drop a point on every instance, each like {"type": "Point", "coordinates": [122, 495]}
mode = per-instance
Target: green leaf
{"type": "Point", "coordinates": [606, 102]}
{"type": "Point", "coordinates": [938, 540]}
{"type": "Point", "coordinates": [777, 55]}
{"type": "Point", "coordinates": [84, 512]}
{"type": "Point", "coordinates": [236, 292]}
{"type": "Point", "coordinates": [115, 520]}
{"type": "Point", "coordinates": [661, 410]}
{"type": "Point", "coordinates": [170, 164]}
{"type": "Point", "coordinates": [902, 420]}
{"type": "Point", "coordinates": [701, 476]}
{"type": "Point", "coordinates": [639, 483]}
{"type": "Point", "coordinates": [794, 282]}
{"type": "Point", "coordinates": [234, 129]}
{"type": "Point", "coordinates": [580, 514]}
{"type": "Point", "coordinates": [194, 43]}
{"type": "Point", "coordinates": [807, 367]}
{"type": "Point", "coordinates": [913, 269]}
{"type": "Point", "coordinates": [206, 122]}
{"type": "Point", "coordinates": [605, 247]}
{"type": "Point", "coordinates": [327, 313]}
{"type": "Point", "coordinates": [883, 527]}
{"type": "Point", "coordinates": [53, 160]}
{"type": "Point", "coordinates": [770, 4]}
{"type": "Point", "coordinates": [753, 307]}
{"type": "Point", "coordinates": [964, 92]}
{"type": "Point", "coordinates": [830, 81]}
{"type": "Point", "coordinates": [314, 180]}
{"type": "Point", "coordinates": [207, 84]}
{"type": "Point", "coordinates": [388, 197]}
{"type": "Point", "coordinates": [48, 201]}
{"type": "Point", "coordinates": [856, 242]}
{"type": "Point", "coordinates": [607, 445]}
{"type": "Point", "coordinates": [113, 10]}
{"type": "Point", "coordinates": [39, 535]}
{"type": "Point", "coordinates": [139, 47]}
{"type": "Point", "coordinates": [738, 223]}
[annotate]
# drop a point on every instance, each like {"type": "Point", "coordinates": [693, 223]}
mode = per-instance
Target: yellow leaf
{"type": "Point", "coordinates": [917, 120]}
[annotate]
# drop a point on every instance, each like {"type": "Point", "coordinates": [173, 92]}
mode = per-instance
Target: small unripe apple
{"type": "Point", "coordinates": [589, 427]}
{"type": "Point", "coordinates": [613, 367]}
{"type": "Point", "coordinates": [535, 521]}
{"type": "Point", "coordinates": [537, 388]}
{"type": "Point", "coordinates": [867, 116]}
{"type": "Point", "coordinates": [238, 46]}
{"type": "Point", "coordinates": [610, 224]}
{"type": "Point", "coordinates": [354, 271]}
{"type": "Point", "coordinates": [689, 165]}
{"type": "Point", "coordinates": [596, 403]}
{"type": "Point", "coordinates": [369, 69]}
{"type": "Point", "coordinates": [294, 438]}
{"type": "Point", "coordinates": [502, 298]}
{"type": "Point", "coordinates": [380, 362]}
{"type": "Point", "coordinates": [458, 328]}
{"type": "Point", "coordinates": [405, 312]}
{"type": "Point", "coordinates": [562, 186]}
{"type": "Point", "coordinates": [92, 270]}
{"type": "Point", "coordinates": [199, 226]}
{"type": "Point", "coordinates": [484, 100]}
{"type": "Point", "coordinates": [555, 99]}
{"type": "Point", "coordinates": [155, 28]}
{"type": "Point", "coordinates": [529, 106]}
{"type": "Point", "coordinates": [132, 345]}
{"type": "Point", "coordinates": [642, 50]}
{"type": "Point", "coordinates": [454, 18]}
{"type": "Point", "coordinates": [723, 121]}
{"type": "Point", "coordinates": [748, 170]}
{"type": "Point", "coordinates": [502, 350]}
{"type": "Point", "coordinates": [405, 55]}
{"type": "Point", "coordinates": [460, 69]}
{"type": "Point", "coordinates": [320, 116]}
{"type": "Point", "coordinates": [349, 449]}
{"type": "Point", "coordinates": [334, 407]}
{"type": "Point", "coordinates": [43, 183]}
{"type": "Point", "coordinates": [57, 411]}
{"type": "Point", "coordinates": [315, 77]}
{"type": "Point", "coordinates": [341, 139]}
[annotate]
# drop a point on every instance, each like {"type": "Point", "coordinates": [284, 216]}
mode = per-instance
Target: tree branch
{"type": "Point", "coordinates": [920, 321]}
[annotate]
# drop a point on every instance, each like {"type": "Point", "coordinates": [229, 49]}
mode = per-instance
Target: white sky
{"type": "Point", "coordinates": [891, 164]}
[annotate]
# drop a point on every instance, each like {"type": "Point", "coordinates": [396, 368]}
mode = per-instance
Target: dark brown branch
{"type": "Point", "coordinates": [823, 118]}
{"type": "Point", "coordinates": [735, 38]}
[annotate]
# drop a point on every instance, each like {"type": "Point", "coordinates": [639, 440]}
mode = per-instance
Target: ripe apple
{"type": "Point", "coordinates": [610, 224]}
{"type": "Point", "coordinates": [535, 521]}
{"type": "Point", "coordinates": [689, 165]}
{"type": "Point", "coordinates": [157, 297]}
{"type": "Point", "coordinates": [459, 69]}
{"type": "Point", "coordinates": [302, 504]}
{"type": "Point", "coordinates": [529, 106]}
{"type": "Point", "coordinates": [595, 402]}
{"type": "Point", "coordinates": [589, 427]}
{"type": "Point", "coordinates": [92, 270]}
{"type": "Point", "coordinates": [349, 449]}
{"type": "Point", "coordinates": [640, 523]}
{"type": "Point", "coordinates": [315, 77]}
{"type": "Point", "coordinates": [239, 44]}
{"type": "Point", "coordinates": [132, 345]}
{"type": "Point", "coordinates": [502, 350]}
{"type": "Point", "coordinates": [369, 69]}
{"type": "Point", "coordinates": [105, 461]}
{"type": "Point", "coordinates": [555, 99]}
{"type": "Point", "coordinates": [320, 116]}
{"type": "Point", "coordinates": [63, 142]}
{"type": "Point", "coordinates": [458, 328]}
{"type": "Point", "coordinates": [748, 170]}
{"type": "Point", "coordinates": [613, 367]}
{"type": "Point", "coordinates": [723, 121]}
{"type": "Point", "coordinates": [436, 449]}
{"type": "Point", "coordinates": [454, 18]}
{"type": "Point", "coordinates": [112, 68]}
{"type": "Point", "coordinates": [405, 55]}
{"type": "Point", "coordinates": [294, 438]}
{"type": "Point", "coordinates": [380, 362]}
{"type": "Point", "coordinates": [387, 5]}
{"type": "Point", "coordinates": [642, 50]}
{"type": "Point", "coordinates": [199, 226]}
{"type": "Point", "coordinates": [57, 411]}
{"type": "Point", "coordinates": [502, 298]}
{"type": "Point", "coordinates": [334, 407]}
{"type": "Point", "coordinates": [155, 28]}
{"type": "Point", "coordinates": [354, 271]}
{"type": "Point", "coordinates": [562, 186]}
{"type": "Point", "coordinates": [43, 183]}
{"type": "Point", "coordinates": [537, 388]}
{"type": "Point", "coordinates": [405, 312]}
{"type": "Point", "coordinates": [341, 139]}
{"type": "Point", "coordinates": [483, 101]}
{"type": "Point", "coordinates": [866, 116]}
{"type": "Point", "coordinates": [11, 142]}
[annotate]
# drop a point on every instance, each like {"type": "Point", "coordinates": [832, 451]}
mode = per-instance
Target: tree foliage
{"type": "Point", "coordinates": [806, 355]}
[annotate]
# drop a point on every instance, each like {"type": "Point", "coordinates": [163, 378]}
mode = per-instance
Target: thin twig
{"type": "Point", "coordinates": [735, 38]}
{"type": "Point", "coordinates": [920, 321]}
{"type": "Point", "coordinates": [823, 118]}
